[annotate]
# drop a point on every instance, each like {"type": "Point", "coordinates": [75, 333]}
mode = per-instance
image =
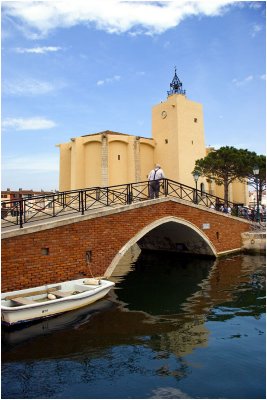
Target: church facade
{"type": "Point", "coordinates": [111, 158]}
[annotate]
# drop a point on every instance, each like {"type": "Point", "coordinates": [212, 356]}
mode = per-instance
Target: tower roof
{"type": "Point", "coordinates": [176, 86]}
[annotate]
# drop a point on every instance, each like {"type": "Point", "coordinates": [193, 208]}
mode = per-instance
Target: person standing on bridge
{"type": "Point", "coordinates": [154, 181]}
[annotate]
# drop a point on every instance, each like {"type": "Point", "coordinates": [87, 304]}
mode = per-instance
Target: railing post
{"type": "Point", "coordinates": [129, 193]}
{"type": "Point", "coordinates": [15, 212]}
{"type": "Point", "coordinates": [194, 196]}
{"type": "Point", "coordinates": [84, 200]}
{"type": "Point", "coordinates": [166, 186]}
{"type": "Point", "coordinates": [54, 209]}
{"type": "Point", "coordinates": [21, 213]}
{"type": "Point", "coordinates": [81, 204]}
{"type": "Point", "coordinates": [24, 213]}
{"type": "Point", "coordinates": [107, 195]}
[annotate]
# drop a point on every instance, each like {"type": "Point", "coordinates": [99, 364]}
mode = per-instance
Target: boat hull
{"type": "Point", "coordinates": [25, 313]}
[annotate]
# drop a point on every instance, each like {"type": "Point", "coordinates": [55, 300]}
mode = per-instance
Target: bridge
{"type": "Point", "coordinates": [71, 234]}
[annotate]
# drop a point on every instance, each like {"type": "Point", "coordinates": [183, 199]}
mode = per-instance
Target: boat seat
{"type": "Point", "coordinates": [23, 301]}
{"type": "Point", "coordinates": [60, 293]}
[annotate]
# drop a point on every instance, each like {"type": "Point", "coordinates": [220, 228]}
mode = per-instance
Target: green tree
{"type": "Point", "coordinates": [260, 161]}
{"type": "Point", "coordinates": [226, 165]}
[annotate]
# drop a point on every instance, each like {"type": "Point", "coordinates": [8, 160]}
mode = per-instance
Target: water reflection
{"type": "Point", "coordinates": [159, 286]}
{"type": "Point", "coordinates": [14, 335]}
{"type": "Point", "coordinates": [147, 337]}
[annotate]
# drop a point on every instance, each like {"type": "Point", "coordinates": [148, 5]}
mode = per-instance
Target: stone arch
{"type": "Point", "coordinates": [150, 228]}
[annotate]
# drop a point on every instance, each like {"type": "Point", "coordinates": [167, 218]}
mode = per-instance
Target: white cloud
{"type": "Point", "coordinates": [255, 4]}
{"type": "Point", "coordinates": [102, 82]}
{"type": "Point", "coordinates": [256, 29]}
{"type": "Point", "coordinates": [24, 124]}
{"type": "Point", "coordinates": [140, 73]}
{"type": "Point", "coordinates": [248, 79]}
{"type": "Point", "coordinates": [32, 162]}
{"type": "Point", "coordinates": [242, 82]}
{"type": "Point", "coordinates": [29, 87]}
{"type": "Point", "coordinates": [167, 44]}
{"type": "Point", "coordinates": [113, 16]}
{"type": "Point", "coordinates": [38, 50]}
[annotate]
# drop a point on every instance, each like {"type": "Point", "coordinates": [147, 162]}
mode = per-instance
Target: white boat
{"type": "Point", "coordinates": [13, 335]}
{"type": "Point", "coordinates": [45, 301]}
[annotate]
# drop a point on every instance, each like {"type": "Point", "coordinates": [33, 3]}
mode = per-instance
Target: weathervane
{"type": "Point", "coordinates": [176, 85]}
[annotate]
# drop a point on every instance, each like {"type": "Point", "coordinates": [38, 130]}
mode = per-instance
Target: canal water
{"type": "Point", "coordinates": [172, 328]}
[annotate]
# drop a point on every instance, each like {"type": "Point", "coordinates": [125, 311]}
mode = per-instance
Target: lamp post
{"type": "Point", "coordinates": [256, 172]}
{"type": "Point", "coordinates": [196, 175]}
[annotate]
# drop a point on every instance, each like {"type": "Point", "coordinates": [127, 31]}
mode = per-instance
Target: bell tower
{"type": "Point", "coordinates": [178, 129]}
{"type": "Point", "coordinates": [176, 85]}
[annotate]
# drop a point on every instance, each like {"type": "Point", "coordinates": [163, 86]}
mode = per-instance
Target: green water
{"type": "Point", "coordinates": [171, 328]}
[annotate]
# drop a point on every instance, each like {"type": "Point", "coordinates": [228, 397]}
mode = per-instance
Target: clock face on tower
{"type": "Point", "coordinates": [164, 114]}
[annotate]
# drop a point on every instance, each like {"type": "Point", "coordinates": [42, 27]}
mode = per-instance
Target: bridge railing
{"type": "Point", "coordinates": [37, 208]}
{"type": "Point", "coordinates": [184, 192]}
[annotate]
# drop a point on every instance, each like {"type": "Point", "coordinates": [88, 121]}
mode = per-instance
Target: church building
{"type": "Point", "coordinates": [111, 158]}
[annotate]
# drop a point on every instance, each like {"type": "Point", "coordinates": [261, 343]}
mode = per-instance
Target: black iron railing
{"type": "Point", "coordinates": [37, 208]}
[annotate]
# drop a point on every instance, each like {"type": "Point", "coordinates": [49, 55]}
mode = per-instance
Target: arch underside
{"type": "Point", "coordinates": [175, 237]}
{"type": "Point", "coordinates": [169, 234]}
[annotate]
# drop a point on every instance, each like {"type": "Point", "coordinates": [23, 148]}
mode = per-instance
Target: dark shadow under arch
{"type": "Point", "coordinates": [168, 234]}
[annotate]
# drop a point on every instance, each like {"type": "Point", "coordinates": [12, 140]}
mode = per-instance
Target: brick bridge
{"type": "Point", "coordinates": [67, 248]}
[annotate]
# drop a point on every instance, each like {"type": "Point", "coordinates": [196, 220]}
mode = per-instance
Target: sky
{"type": "Point", "coordinates": [71, 68]}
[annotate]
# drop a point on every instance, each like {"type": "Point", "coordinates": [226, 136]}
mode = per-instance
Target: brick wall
{"type": "Point", "coordinates": [59, 253]}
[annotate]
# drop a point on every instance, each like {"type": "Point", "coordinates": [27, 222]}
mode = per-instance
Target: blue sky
{"type": "Point", "coordinates": [71, 68]}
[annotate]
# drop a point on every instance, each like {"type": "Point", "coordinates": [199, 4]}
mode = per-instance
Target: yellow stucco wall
{"type": "Point", "coordinates": [178, 128]}
{"type": "Point", "coordinates": [164, 131]}
{"type": "Point", "coordinates": [147, 160]}
{"type": "Point", "coordinates": [92, 163]}
{"type": "Point", "coordinates": [118, 162]}
{"type": "Point", "coordinates": [240, 192]}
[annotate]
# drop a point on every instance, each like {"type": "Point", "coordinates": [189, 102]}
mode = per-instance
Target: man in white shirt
{"type": "Point", "coordinates": [154, 181]}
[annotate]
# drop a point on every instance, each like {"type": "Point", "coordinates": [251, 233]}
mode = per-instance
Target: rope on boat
{"type": "Point", "coordinates": [89, 281]}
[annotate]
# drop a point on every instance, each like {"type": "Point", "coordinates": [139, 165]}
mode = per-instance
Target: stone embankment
{"type": "Point", "coordinates": [254, 241]}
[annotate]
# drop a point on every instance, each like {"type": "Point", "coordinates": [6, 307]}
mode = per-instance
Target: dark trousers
{"type": "Point", "coordinates": [153, 189]}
